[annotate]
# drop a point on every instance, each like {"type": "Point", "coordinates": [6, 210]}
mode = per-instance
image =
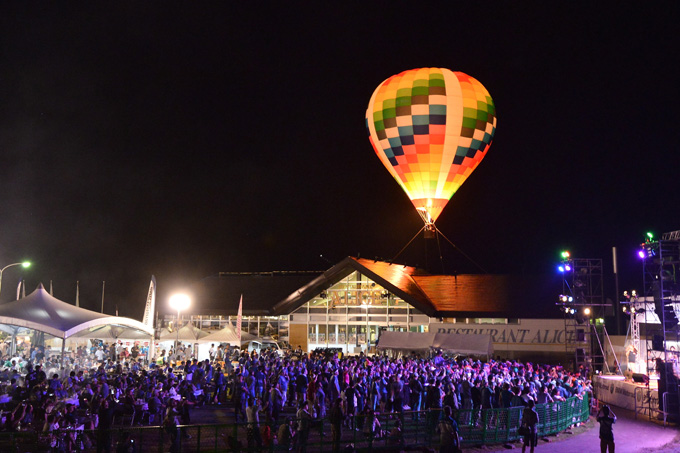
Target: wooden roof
{"type": "Point", "coordinates": [468, 295]}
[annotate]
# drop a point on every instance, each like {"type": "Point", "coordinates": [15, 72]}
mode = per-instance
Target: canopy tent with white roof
{"type": "Point", "coordinates": [188, 332]}
{"type": "Point", "coordinates": [45, 313]}
{"type": "Point", "coordinates": [228, 335]}
{"type": "Point", "coordinates": [112, 332]}
{"type": "Point", "coordinates": [469, 344]}
{"type": "Point", "coordinates": [225, 335]}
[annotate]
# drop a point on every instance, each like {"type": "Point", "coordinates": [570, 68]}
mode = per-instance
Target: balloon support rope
{"type": "Point", "coordinates": [406, 246]}
{"type": "Point", "coordinates": [459, 250]}
{"type": "Point", "coordinates": [439, 233]}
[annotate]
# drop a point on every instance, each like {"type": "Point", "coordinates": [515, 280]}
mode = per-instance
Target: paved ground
{"type": "Point", "coordinates": [632, 436]}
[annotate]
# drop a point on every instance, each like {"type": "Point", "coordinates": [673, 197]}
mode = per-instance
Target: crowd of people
{"type": "Point", "coordinates": [103, 385]}
{"type": "Point", "coordinates": [348, 389]}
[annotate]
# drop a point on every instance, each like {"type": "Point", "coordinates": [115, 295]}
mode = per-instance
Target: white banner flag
{"type": "Point", "coordinates": [239, 317]}
{"type": "Point", "coordinates": [150, 308]}
{"type": "Point", "coordinates": [149, 312]}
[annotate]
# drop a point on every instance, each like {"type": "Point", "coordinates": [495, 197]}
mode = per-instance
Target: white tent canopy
{"type": "Point", "coordinates": [469, 344]}
{"type": "Point", "coordinates": [188, 332]}
{"type": "Point", "coordinates": [473, 344]}
{"type": "Point", "coordinates": [225, 335]}
{"type": "Point", "coordinates": [228, 335]}
{"type": "Point", "coordinates": [163, 332]}
{"type": "Point", "coordinates": [45, 313]}
{"type": "Point", "coordinates": [112, 332]}
{"type": "Point", "coordinates": [405, 341]}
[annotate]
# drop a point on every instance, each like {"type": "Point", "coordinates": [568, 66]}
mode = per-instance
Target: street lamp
{"type": "Point", "coordinates": [25, 264]}
{"type": "Point", "coordinates": [179, 302]}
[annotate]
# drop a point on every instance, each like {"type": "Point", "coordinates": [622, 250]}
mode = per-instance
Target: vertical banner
{"type": "Point", "coordinates": [150, 308]}
{"type": "Point", "coordinates": [149, 312]}
{"type": "Point", "coordinates": [238, 318]}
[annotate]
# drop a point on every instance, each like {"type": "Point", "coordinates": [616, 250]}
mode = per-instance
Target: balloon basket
{"type": "Point", "coordinates": [430, 231]}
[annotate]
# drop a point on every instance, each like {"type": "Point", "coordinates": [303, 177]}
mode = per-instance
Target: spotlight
{"type": "Point", "coordinates": [560, 268]}
{"type": "Point", "coordinates": [641, 254]}
{"type": "Point", "coordinates": [572, 311]}
{"type": "Point", "coordinates": [565, 255]}
{"type": "Point", "coordinates": [567, 267]}
{"type": "Point", "coordinates": [586, 311]}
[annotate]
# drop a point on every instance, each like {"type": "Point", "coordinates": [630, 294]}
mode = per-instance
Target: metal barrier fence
{"type": "Point", "coordinates": [476, 427]}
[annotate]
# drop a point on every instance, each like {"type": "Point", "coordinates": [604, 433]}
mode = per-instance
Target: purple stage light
{"type": "Point", "coordinates": [641, 254]}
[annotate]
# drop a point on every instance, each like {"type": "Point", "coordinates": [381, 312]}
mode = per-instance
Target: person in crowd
{"type": "Point", "coordinates": [304, 424]}
{"type": "Point", "coordinates": [336, 419]}
{"type": "Point", "coordinates": [372, 427]}
{"type": "Point", "coordinates": [253, 429]}
{"type": "Point", "coordinates": [530, 420]}
{"type": "Point", "coordinates": [606, 418]}
{"type": "Point", "coordinates": [449, 440]}
{"type": "Point", "coordinates": [286, 435]}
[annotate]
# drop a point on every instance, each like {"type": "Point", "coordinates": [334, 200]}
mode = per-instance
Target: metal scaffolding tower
{"type": "Point", "coordinates": [583, 304]}
{"type": "Point", "coordinates": [661, 266]}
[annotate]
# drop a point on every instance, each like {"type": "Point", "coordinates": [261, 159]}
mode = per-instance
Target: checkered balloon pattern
{"type": "Point", "coordinates": [431, 127]}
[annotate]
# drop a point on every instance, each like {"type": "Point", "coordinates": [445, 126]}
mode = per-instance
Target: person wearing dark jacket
{"type": "Point", "coordinates": [606, 418]}
{"type": "Point", "coordinates": [336, 417]}
{"type": "Point", "coordinates": [530, 420]}
{"type": "Point", "coordinates": [108, 408]}
{"type": "Point", "coordinates": [416, 395]}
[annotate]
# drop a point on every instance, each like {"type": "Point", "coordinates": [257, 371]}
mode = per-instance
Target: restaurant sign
{"type": "Point", "coordinates": [529, 334]}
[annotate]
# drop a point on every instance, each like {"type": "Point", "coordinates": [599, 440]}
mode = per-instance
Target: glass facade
{"type": "Point", "coordinates": [275, 327]}
{"type": "Point", "coordinates": [350, 315]}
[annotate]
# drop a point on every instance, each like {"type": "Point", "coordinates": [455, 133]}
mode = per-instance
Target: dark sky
{"type": "Point", "coordinates": [141, 138]}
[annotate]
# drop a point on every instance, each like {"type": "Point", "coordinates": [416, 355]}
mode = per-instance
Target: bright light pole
{"type": "Point", "coordinates": [179, 302]}
{"type": "Point", "coordinates": [25, 264]}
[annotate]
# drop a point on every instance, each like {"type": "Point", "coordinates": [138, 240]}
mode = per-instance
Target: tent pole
{"type": "Point", "coordinates": [63, 345]}
{"type": "Point", "coordinates": [150, 351]}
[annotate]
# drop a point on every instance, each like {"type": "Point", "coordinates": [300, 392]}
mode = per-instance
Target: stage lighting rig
{"type": "Point", "coordinates": [566, 265]}
{"type": "Point", "coordinates": [566, 304]}
{"type": "Point", "coordinates": [630, 303]}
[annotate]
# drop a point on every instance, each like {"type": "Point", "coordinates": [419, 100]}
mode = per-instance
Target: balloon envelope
{"type": "Point", "coordinates": [431, 127]}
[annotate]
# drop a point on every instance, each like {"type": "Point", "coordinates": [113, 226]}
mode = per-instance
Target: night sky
{"type": "Point", "coordinates": [141, 138]}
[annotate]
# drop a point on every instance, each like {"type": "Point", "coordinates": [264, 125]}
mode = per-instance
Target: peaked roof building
{"type": "Point", "coordinates": [437, 296]}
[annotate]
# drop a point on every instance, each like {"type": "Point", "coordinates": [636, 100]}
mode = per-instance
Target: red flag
{"type": "Point", "coordinates": [238, 318]}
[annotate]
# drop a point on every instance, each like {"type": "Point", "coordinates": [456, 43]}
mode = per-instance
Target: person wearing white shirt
{"type": "Point", "coordinates": [253, 430]}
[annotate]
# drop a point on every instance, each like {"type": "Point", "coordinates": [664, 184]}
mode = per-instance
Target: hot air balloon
{"type": "Point", "coordinates": [431, 127]}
